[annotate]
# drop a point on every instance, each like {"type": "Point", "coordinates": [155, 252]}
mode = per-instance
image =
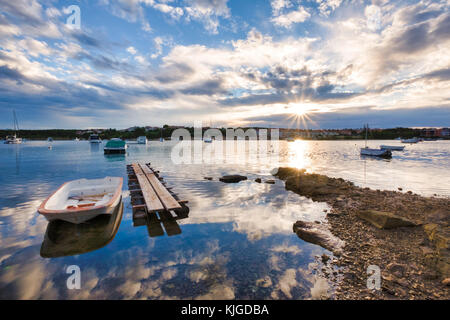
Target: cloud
{"type": "Point", "coordinates": [326, 7]}
{"type": "Point", "coordinates": [132, 50]}
{"type": "Point", "coordinates": [355, 117]}
{"type": "Point", "coordinates": [206, 12]}
{"type": "Point", "coordinates": [286, 20]}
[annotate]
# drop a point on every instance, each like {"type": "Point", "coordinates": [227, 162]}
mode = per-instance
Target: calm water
{"type": "Point", "coordinates": [237, 241]}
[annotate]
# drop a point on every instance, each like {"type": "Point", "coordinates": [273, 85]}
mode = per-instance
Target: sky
{"type": "Point", "coordinates": [267, 63]}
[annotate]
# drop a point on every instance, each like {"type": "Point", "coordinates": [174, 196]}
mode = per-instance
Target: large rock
{"type": "Point", "coordinates": [233, 179]}
{"type": "Point", "coordinates": [385, 220]}
{"type": "Point", "coordinates": [315, 186]}
{"type": "Point", "coordinates": [439, 236]}
{"type": "Point", "coordinates": [318, 234]}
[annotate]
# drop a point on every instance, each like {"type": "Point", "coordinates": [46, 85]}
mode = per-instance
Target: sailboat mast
{"type": "Point", "coordinates": [367, 128]}
{"type": "Point", "coordinates": [16, 123]}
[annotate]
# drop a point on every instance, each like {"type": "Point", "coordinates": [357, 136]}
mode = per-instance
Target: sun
{"type": "Point", "coordinates": [298, 110]}
{"type": "Point", "coordinates": [300, 116]}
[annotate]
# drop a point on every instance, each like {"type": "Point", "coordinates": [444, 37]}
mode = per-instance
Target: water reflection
{"type": "Point", "coordinates": [156, 221]}
{"type": "Point", "coordinates": [236, 242]}
{"type": "Point", "coordinates": [115, 157]}
{"type": "Point", "coordinates": [67, 239]}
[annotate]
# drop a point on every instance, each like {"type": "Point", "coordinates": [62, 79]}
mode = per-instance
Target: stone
{"type": "Point", "coordinates": [258, 180]}
{"type": "Point", "coordinates": [446, 282]}
{"type": "Point", "coordinates": [318, 234]}
{"type": "Point", "coordinates": [438, 235]}
{"type": "Point", "coordinates": [270, 181]}
{"type": "Point", "coordinates": [265, 282]}
{"type": "Point", "coordinates": [396, 269]}
{"type": "Point", "coordinates": [208, 178]}
{"type": "Point", "coordinates": [233, 178]}
{"type": "Point", "coordinates": [325, 258]}
{"type": "Point", "coordinates": [385, 220]}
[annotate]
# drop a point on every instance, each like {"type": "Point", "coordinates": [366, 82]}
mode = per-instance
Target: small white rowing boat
{"type": "Point", "coordinates": [392, 148]}
{"type": "Point", "coordinates": [81, 200]}
{"type": "Point", "coordinates": [376, 152]}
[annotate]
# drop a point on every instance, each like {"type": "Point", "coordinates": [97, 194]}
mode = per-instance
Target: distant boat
{"type": "Point", "coordinates": [366, 151]}
{"type": "Point", "coordinates": [142, 140]}
{"type": "Point", "coordinates": [76, 139]}
{"type": "Point", "coordinates": [208, 140]}
{"type": "Point", "coordinates": [392, 148]}
{"type": "Point", "coordinates": [383, 153]}
{"type": "Point", "coordinates": [49, 139]}
{"type": "Point", "coordinates": [14, 139]}
{"type": "Point", "coordinates": [81, 200]}
{"type": "Point", "coordinates": [412, 140]}
{"type": "Point", "coordinates": [95, 138]}
{"type": "Point", "coordinates": [161, 139]}
{"type": "Point", "coordinates": [115, 146]}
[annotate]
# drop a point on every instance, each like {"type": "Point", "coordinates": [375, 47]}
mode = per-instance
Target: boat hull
{"type": "Point", "coordinates": [115, 151]}
{"type": "Point", "coordinates": [81, 214]}
{"type": "Point", "coordinates": [414, 140]}
{"type": "Point", "coordinates": [392, 148]}
{"type": "Point", "coordinates": [382, 153]}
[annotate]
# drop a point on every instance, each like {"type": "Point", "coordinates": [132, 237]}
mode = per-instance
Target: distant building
{"type": "Point", "coordinates": [435, 132]}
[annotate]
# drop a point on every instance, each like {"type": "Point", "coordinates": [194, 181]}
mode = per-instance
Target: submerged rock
{"type": "Point", "coordinates": [318, 234]}
{"type": "Point", "coordinates": [208, 178]}
{"type": "Point", "coordinates": [385, 220]}
{"type": "Point", "coordinates": [233, 178]}
{"type": "Point", "coordinates": [270, 181]}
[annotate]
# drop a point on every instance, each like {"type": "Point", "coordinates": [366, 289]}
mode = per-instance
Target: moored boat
{"type": "Point", "coordinates": [142, 140]}
{"type": "Point", "coordinates": [115, 146]}
{"type": "Point", "coordinates": [392, 148]}
{"type": "Point", "coordinates": [412, 140]}
{"type": "Point", "coordinates": [366, 151]}
{"type": "Point", "coordinates": [81, 200]}
{"type": "Point", "coordinates": [383, 153]}
{"type": "Point", "coordinates": [95, 138]}
{"type": "Point", "coordinates": [14, 139]}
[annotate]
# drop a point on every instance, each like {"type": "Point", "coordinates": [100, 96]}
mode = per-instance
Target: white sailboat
{"type": "Point", "coordinates": [14, 139]}
{"type": "Point", "coordinates": [366, 151]}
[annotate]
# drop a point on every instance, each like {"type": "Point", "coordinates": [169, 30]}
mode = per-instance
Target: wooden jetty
{"type": "Point", "coordinates": [153, 202]}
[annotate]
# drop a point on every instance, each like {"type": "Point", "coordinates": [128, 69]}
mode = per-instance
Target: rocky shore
{"type": "Point", "coordinates": [404, 234]}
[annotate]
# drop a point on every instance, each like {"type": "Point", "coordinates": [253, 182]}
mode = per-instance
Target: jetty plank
{"type": "Point", "coordinates": [151, 199]}
{"type": "Point", "coordinates": [168, 201]}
